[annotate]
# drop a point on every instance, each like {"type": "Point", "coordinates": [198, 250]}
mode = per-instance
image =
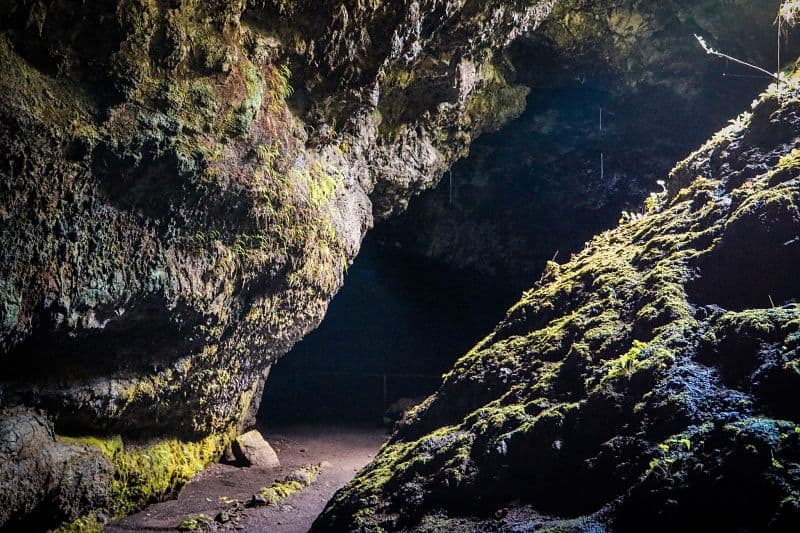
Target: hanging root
{"type": "Point", "coordinates": [716, 53]}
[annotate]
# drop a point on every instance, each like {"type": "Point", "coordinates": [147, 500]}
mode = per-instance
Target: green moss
{"type": "Point", "coordinates": [496, 101]}
{"type": "Point", "coordinates": [398, 77]}
{"type": "Point", "coordinates": [193, 523]}
{"type": "Point", "coordinates": [758, 323]}
{"type": "Point", "coordinates": [34, 94]}
{"type": "Point", "coordinates": [84, 524]}
{"type": "Point", "coordinates": [314, 187]}
{"type": "Point", "coordinates": [625, 365]}
{"type": "Point", "coordinates": [242, 117]}
{"type": "Point", "coordinates": [790, 161]}
{"type": "Point", "coordinates": [616, 343]}
{"type": "Point", "coordinates": [642, 357]}
{"type": "Point", "coordinates": [109, 446]}
{"type": "Point", "coordinates": [149, 473]}
{"type": "Point", "coordinates": [292, 484]}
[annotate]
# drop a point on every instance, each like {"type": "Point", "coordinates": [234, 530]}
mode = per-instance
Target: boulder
{"type": "Point", "coordinates": [250, 449]}
{"type": "Point", "coordinates": [43, 477]}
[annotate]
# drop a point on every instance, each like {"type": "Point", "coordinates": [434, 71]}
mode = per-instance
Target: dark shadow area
{"type": "Point", "coordinates": [126, 340]}
{"type": "Point", "coordinates": [596, 137]}
{"type": "Point", "coordinates": [755, 264]}
{"type": "Point", "coordinates": [560, 174]}
{"type": "Point", "coordinates": [399, 323]}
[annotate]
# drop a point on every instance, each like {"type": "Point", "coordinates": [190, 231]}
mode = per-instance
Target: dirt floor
{"type": "Point", "coordinates": [341, 450]}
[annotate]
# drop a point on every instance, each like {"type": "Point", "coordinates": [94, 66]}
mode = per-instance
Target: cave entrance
{"type": "Point", "coordinates": [397, 325]}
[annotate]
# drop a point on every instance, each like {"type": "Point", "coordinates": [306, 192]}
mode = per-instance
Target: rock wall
{"type": "Point", "coordinates": [182, 186]}
{"type": "Point", "coordinates": [539, 187]}
{"type": "Point", "coordinates": [647, 384]}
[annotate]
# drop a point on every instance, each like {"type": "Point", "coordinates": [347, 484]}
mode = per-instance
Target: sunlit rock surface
{"type": "Point", "coordinates": [649, 383]}
{"type": "Point", "coordinates": [183, 185]}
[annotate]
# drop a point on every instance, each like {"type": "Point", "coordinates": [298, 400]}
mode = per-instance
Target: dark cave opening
{"type": "Point", "coordinates": [397, 325]}
{"type": "Point", "coordinates": [429, 284]}
{"type": "Point", "coordinates": [564, 171]}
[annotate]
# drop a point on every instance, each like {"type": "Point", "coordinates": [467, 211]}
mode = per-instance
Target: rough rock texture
{"type": "Point", "coordinates": [537, 187]}
{"type": "Point", "coordinates": [50, 479]}
{"type": "Point", "coordinates": [647, 384]}
{"type": "Point", "coordinates": [46, 478]}
{"type": "Point", "coordinates": [252, 450]}
{"type": "Point", "coordinates": [183, 184]}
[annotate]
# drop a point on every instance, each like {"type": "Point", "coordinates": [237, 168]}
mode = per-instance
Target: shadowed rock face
{"type": "Point", "coordinates": [184, 183]}
{"type": "Point", "coordinates": [51, 480]}
{"type": "Point", "coordinates": [647, 384]}
{"type": "Point", "coordinates": [539, 186]}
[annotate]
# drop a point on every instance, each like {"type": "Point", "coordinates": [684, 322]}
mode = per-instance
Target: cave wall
{"type": "Point", "coordinates": [183, 185]}
{"type": "Point", "coordinates": [538, 187]}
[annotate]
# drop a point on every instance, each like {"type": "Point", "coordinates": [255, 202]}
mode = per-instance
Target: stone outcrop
{"type": "Point", "coordinates": [646, 384]}
{"type": "Point", "coordinates": [183, 184]}
{"type": "Point", "coordinates": [44, 478]}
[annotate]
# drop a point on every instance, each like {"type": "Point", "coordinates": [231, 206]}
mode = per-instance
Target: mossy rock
{"type": "Point", "coordinates": [643, 384]}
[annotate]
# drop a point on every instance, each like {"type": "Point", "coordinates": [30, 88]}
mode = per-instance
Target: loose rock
{"type": "Point", "coordinates": [250, 449]}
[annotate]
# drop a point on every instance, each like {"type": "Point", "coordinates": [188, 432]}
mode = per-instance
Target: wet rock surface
{"type": "Point", "coordinates": [645, 384]}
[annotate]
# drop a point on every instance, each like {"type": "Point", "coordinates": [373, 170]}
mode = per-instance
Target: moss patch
{"type": "Point", "coordinates": [85, 524]}
{"type": "Point", "coordinates": [150, 473]}
{"type": "Point", "coordinates": [292, 484]}
{"type": "Point", "coordinates": [193, 523]}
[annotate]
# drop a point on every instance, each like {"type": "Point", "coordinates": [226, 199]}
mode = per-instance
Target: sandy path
{"type": "Point", "coordinates": [346, 449]}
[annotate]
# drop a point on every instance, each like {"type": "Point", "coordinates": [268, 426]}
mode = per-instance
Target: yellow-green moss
{"type": "Point", "coordinates": [292, 484]}
{"type": "Point", "coordinates": [242, 117]}
{"type": "Point", "coordinates": [195, 522]}
{"type": "Point", "coordinates": [148, 473]}
{"type": "Point", "coordinates": [592, 345]}
{"type": "Point", "coordinates": [33, 93]}
{"type": "Point", "coordinates": [496, 101]}
{"type": "Point", "coordinates": [84, 524]}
